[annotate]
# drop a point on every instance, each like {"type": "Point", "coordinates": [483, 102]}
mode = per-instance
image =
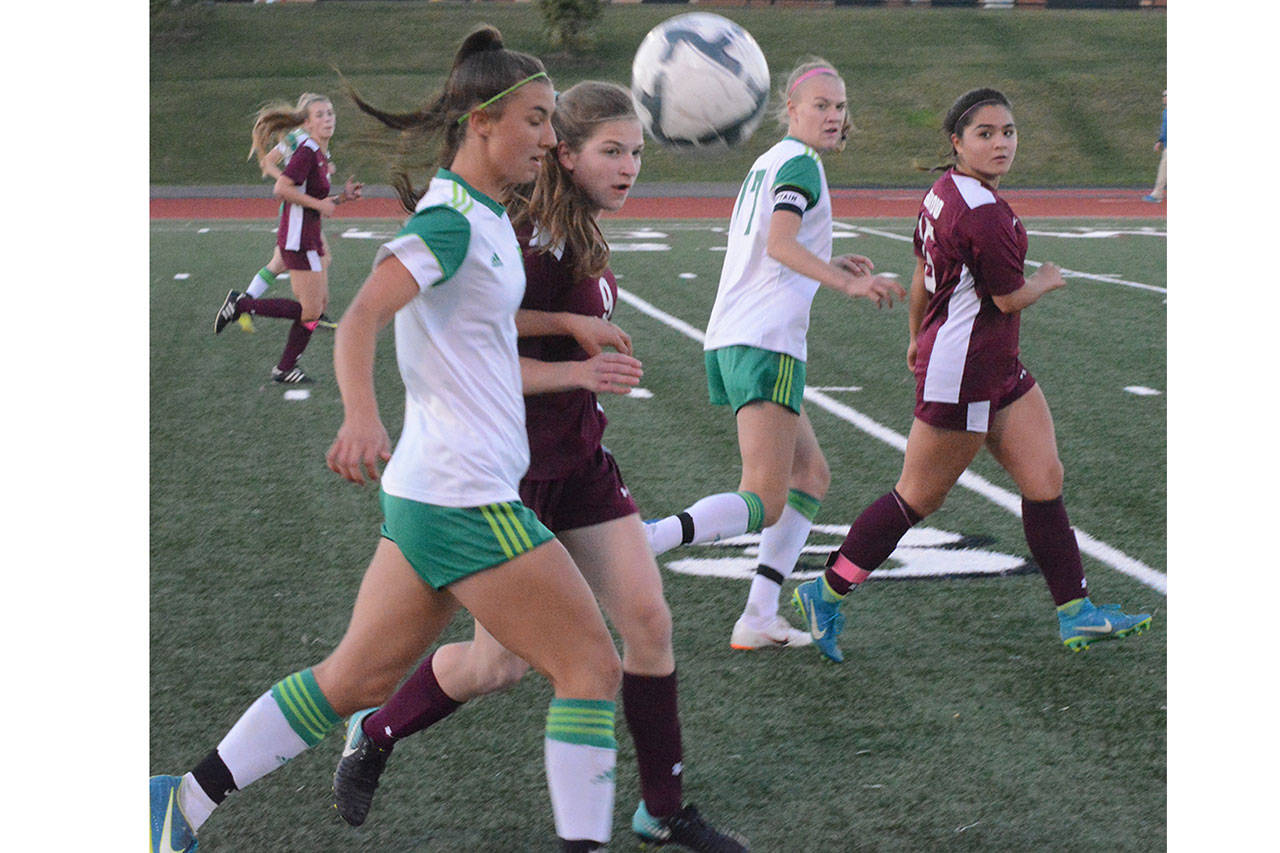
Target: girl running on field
{"type": "Point", "coordinates": [455, 532]}
{"type": "Point", "coordinates": [573, 483]}
{"type": "Point", "coordinates": [967, 295]}
{"type": "Point", "coordinates": [303, 186]}
{"type": "Point", "coordinates": [271, 164]}
{"type": "Point", "coordinates": [779, 253]}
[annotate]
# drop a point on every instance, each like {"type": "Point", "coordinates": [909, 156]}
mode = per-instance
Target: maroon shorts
{"type": "Point", "coordinates": [308, 259]}
{"type": "Point", "coordinates": [974, 416]}
{"type": "Point", "coordinates": [592, 494]}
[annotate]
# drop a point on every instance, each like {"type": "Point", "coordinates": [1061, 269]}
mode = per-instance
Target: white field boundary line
{"type": "Point", "coordinates": [1066, 273]}
{"type": "Point", "coordinates": [1003, 498]}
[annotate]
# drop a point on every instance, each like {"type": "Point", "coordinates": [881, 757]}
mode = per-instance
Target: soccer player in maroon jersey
{"type": "Point", "coordinates": [573, 483]}
{"type": "Point", "coordinates": [967, 295]}
{"type": "Point", "coordinates": [303, 186]}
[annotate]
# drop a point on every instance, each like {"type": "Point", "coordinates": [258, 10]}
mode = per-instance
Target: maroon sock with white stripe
{"type": "Point", "coordinates": [285, 309]}
{"type": "Point", "coordinates": [1054, 548]}
{"type": "Point", "coordinates": [649, 705]}
{"type": "Point", "coordinates": [420, 702]}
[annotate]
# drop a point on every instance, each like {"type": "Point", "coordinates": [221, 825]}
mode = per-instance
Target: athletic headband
{"type": "Point", "coordinates": [507, 91]}
{"type": "Point", "coordinates": [986, 103]}
{"type": "Point", "coordinates": [810, 73]}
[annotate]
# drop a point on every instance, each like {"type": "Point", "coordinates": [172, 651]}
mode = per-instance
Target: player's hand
{"type": "Point", "coordinates": [352, 189]}
{"type": "Point", "coordinates": [1047, 278]}
{"type": "Point", "coordinates": [912, 349]}
{"type": "Point", "coordinates": [357, 450]}
{"type": "Point", "coordinates": [593, 334]}
{"type": "Point", "coordinates": [326, 206]}
{"type": "Point", "coordinates": [880, 289]}
{"type": "Point", "coordinates": [610, 373]}
{"type": "Point", "coordinates": [854, 264]}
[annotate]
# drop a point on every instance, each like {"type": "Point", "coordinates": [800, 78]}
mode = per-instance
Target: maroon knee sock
{"type": "Point", "coordinates": [649, 706]}
{"type": "Point", "coordinates": [419, 703]}
{"type": "Point", "coordinates": [299, 337]}
{"type": "Point", "coordinates": [286, 309]}
{"type": "Point", "coordinates": [1053, 546]}
{"type": "Point", "coordinates": [873, 536]}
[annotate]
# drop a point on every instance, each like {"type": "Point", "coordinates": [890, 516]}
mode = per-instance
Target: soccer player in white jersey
{"type": "Point", "coordinates": [967, 297]}
{"type": "Point", "coordinates": [455, 531]}
{"type": "Point", "coordinates": [779, 253]}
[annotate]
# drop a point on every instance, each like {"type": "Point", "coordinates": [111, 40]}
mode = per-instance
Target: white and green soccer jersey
{"type": "Point", "coordinates": [464, 442]}
{"type": "Point", "coordinates": [760, 302]}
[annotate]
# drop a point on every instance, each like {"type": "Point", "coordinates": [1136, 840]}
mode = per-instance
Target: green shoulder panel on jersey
{"type": "Point", "coordinates": [801, 172]}
{"type": "Point", "coordinates": [446, 233]}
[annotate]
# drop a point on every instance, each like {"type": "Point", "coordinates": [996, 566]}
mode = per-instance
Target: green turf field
{"type": "Point", "coordinates": [958, 720]}
{"type": "Point", "coordinates": [1085, 84]}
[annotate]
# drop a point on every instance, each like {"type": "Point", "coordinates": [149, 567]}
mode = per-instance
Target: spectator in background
{"type": "Point", "coordinates": [1162, 145]}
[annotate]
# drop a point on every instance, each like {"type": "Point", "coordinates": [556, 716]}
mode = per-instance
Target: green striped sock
{"type": "Point", "coordinates": [755, 511]}
{"type": "Point", "coordinates": [587, 722]}
{"type": "Point", "coordinates": [804, 503]}
{"type": "Point", "coordinates": [308, 713]}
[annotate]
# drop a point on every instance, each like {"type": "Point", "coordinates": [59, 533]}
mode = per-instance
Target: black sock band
{"type": "Point", "coordinates": [214, 778]}
{"type": "Point", "coordinates": [770, 573]}
{"type": "Point", "coordinates": [686, 528]}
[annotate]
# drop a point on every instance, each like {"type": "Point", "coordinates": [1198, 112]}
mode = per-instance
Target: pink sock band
{"type": "Point", "coordinates": [846, 569]}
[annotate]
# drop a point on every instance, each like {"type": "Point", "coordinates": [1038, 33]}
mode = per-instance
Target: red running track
{"type": "Point", "coordinates": [1116, 203]}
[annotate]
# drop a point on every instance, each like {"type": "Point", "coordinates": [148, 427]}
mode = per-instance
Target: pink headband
{"type": "Point", "coordinates": [810, 73]}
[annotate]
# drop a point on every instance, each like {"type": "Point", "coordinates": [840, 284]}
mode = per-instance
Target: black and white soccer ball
{"type": "Point", "coordinates": [700, 81]}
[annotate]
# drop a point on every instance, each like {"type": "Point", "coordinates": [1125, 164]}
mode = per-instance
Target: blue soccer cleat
{"type": "Point", "coordinates": [821, 617]}
{"type": "Point", "coordinates": [686, 828]}
{"type": "Point", "coordinates": [1081, 622]}
{"type": "Point", "coordinates": [170, 832]}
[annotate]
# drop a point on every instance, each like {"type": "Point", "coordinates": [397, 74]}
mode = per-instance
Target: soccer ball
{"type": "Point", "coordinates": [700, 81]}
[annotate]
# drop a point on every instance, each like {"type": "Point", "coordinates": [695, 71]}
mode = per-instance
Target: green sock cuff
{"type": "Point", "coordinates": [755, 511]}
{"type": "Point", "coordinates": [587, 722]}
{"type": "Point", "coordinates": [1072, 607]}
{"type": "Point", "coordinates": [305, 708]}
{"type": "Point", "coordinates": [803, 503]}
{"type": "Point", "coordinates": [267, 275]}
{"type": "Point", "coordinates": [829, 595]}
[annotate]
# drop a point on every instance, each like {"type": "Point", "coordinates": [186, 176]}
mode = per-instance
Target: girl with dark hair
{"type": "Point", "coordinates": [779, 254]}
{"type": "Point", "coordinates": [967, 295]}
{"type": "Point", "coordinates": [303, 187]}
{"type": "Point", "coordinates": [573, 482]}
{"type": "Point", "coordinates": [455, 532]}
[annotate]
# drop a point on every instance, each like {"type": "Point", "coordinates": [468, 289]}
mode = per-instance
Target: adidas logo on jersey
{"type": "Point", "coordinates": [495, 260]}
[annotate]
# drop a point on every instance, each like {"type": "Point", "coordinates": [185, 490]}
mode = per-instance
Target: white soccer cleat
{"type": "Point", "coordinates": [749, 632]}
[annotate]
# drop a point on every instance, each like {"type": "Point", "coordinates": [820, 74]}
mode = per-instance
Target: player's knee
{"type": "Point", "coordinates": [649, 630]}
{"type": "Point", "coordinates": [1047, 484]}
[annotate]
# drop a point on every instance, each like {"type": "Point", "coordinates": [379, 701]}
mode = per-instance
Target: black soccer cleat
{"type": "Point", "coordinates": [292, 377]}
{"type": "Point", "coordinates": [356, 778]}
{"type": "Point", "coordinates": [229, 311]}
{"type": "Point", "coordinates": [686, 828]}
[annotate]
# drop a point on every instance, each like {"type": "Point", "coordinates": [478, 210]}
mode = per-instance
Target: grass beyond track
{"type": "Point", "coordinates": [958, 721]}
{"type": "Point", "coordinates": [1085, 84]}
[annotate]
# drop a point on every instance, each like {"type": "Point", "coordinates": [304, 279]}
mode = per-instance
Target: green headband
{"type": "Point", "coordinates": [507, 91]}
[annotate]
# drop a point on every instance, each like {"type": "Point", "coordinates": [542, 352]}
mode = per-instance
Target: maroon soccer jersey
{"type": "Point", "coordinates": [973, 247]}
{"type": "Point", "coordinates": [299, 229]}
{"type": "Point", "coordinates": [565, 427]}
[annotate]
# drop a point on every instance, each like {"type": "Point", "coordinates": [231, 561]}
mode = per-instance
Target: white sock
{"type": "Point", "coordinates": [580, 774]}
{"type": "Point", "coordinates": [259, 742]}
{"type": "Point", "coordinates": [259, 285]}
{"type": "Point", "coordinates": [714, 517]}
{"type": "Point", "coordinates": [780, 547]}
{"type": "Point", "coordinates": [194, 802]}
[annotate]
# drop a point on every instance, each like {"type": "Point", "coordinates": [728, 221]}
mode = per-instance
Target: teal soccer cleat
{"type": "Point", "coordinates": [821, 617]}
{"type": "Point", "coordinates": [170, 832]}
{"type": "Point", "coordinates": [1081, 622]}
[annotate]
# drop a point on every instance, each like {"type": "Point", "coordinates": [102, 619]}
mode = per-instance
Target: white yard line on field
{"type": "Point", "coordinates": [1066, 273]}
{"type": "Point", "coordinates": [1003, 498]}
